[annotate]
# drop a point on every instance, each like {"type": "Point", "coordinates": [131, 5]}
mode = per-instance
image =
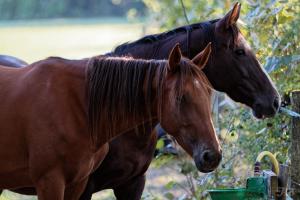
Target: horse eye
{"type": "Point", "coordinates": [240, 52]}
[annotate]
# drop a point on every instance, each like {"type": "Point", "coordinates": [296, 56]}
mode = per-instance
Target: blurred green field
{"type": "Point", "coordinates": [35, 40]}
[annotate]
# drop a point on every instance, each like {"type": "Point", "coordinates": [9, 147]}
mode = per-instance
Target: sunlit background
{"type": "Point", "coordinates": [35, 29]}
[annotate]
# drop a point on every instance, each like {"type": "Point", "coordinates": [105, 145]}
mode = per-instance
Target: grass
{"type": "Point", "coordinates": [35, 40]}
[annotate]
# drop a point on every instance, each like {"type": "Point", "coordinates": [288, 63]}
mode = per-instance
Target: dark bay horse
{"type": "Point", "coordinates": [232, 68]}
{"type": "Point", "coordinates": [58, 115]}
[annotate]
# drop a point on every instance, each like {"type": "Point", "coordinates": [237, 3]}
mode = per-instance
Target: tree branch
{"type": "Point", "coordinates": [184, 12]}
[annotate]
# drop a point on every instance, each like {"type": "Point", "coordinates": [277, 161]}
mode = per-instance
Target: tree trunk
{"type": "Point", "coordinates": [295, 148]}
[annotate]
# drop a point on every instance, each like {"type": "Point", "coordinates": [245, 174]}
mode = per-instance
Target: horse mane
{"type": "Point", "coordinates": [121, 88]}
{"type": "Point", "coordinates": [150, 39]}
{"type": "Point", "coordinates": [116, 91]}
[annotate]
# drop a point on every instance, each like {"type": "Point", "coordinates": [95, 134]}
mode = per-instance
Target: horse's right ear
{"type": "Point", "coordinates": [201, 58]}
{"type": "Point", "coordinates": [174, 58]}
{"type": "Point", "coordinates": [230, 18]}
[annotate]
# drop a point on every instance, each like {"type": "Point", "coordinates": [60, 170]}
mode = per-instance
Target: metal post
{"type": "Point", "coordinates": [295, 147]}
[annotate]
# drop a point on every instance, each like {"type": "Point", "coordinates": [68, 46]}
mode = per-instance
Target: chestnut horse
{"type": "Point", "coordinates": [58, 115]}
{"type": "Point", "coordinates": [232, 68]}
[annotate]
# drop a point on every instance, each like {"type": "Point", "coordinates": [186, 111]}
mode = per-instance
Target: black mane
{"type": "Point", "coordinates": [161, 36]}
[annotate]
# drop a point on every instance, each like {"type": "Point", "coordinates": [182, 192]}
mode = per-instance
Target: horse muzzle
{"type": "Point", "coordinates": [208, 160]}
{"type": "Point", "coordinates": [264, 109]}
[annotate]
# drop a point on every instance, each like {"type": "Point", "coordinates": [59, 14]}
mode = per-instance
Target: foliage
{"type": "Point", "coordinates": [272, 28]}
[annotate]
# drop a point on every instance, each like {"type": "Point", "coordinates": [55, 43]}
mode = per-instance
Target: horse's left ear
{"type": "Point", "coordinates": [230, 18]}
{"type": "Point", "coordinates": [201, 58]}
{"type": "Point", "coordinates": [174, 58]}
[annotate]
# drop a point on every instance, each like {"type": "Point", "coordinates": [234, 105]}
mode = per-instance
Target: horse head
{"type": "Point", "coordinates": [233, 62]}
{"type": "Point", "coordinates": [186, 112]}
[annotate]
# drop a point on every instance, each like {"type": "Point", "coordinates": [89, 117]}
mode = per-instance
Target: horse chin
{"type": "Point", "coordinates": [258, 115]}
{"type": "Point", "coordinates": [265, 109]}
{"type": "Point", "coordinates": [203, 169]}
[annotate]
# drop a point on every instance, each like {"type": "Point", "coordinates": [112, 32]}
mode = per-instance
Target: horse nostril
{"type": "Point", "coordinates": [210, 156]}
{"type": "Point", "coordinates": [276, 103]}
{"type": "Point", "coordinates": [206, 156]}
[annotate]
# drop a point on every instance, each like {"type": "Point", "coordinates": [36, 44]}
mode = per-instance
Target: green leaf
{"type": "Point", "coordinates": [160, 144]}
{"type": "Point", "coordinates": [170, 185]}
{"type": "Point", "coordinates": [169, 196]}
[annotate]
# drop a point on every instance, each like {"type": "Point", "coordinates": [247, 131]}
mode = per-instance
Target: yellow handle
{"type": "Point", "coordinates": [272, 158]}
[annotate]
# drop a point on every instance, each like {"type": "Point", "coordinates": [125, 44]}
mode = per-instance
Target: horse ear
{"type": "Point", "coordinates": [174, 58]}
{"type": "Point", "coordinates": [230, 18]}
{"type": "Point", "coordinates": [201, 58]}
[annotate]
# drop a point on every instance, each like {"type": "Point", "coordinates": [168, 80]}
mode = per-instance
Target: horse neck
{"type": "Point", "coordinates": [147, 115]}
{"type": "Point", "coordinates": [199, 38]}
{"type": "Point", "coordinates": [192, 42]}
{"type": "Point", "coordinates": [133, 123]}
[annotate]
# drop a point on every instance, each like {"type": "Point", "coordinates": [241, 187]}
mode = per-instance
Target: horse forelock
{"type": "Point", "coordinates": [187, 70]}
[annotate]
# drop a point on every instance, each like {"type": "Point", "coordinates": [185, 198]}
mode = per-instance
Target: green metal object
{"type": "Point", "coordinates": [228, 194]}
{"type": "Point", "coordinates": [256, 188]}
{"type": "Point", "coordinates": [264, 185]}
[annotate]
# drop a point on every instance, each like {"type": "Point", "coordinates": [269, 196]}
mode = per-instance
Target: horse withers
{"type": "Point", "coordinates": [58, 131]}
